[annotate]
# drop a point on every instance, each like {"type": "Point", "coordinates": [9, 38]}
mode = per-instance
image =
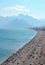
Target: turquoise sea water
{"type": "Point", "coordinates": [12, 40]}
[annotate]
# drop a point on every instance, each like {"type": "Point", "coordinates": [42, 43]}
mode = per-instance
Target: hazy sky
{"type": "Point", "coordinates": [35, 8]}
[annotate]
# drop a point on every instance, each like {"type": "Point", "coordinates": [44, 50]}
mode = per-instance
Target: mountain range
{"type": "Point", "coordinates": [20, 21]}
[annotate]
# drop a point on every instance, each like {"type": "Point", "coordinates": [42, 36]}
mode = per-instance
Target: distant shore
{"type": "Point", "coordinates": [33, 53]}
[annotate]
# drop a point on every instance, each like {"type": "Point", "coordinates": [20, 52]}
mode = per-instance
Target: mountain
{"type": "Point", "coordinates": [24, 21]}
{"type": "Point", "coordinates": [32, 21]}
{"type": "Point", "coordinates": [20, 21]}
{"type": "Point", "coordinates": [4, 21]}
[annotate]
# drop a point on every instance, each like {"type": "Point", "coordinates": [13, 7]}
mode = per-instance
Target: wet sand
{"type": "Point", "coordinates": [33, 53]}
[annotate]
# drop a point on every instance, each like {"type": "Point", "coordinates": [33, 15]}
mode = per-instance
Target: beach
{"type": "Point", "coordinates": [33, 53]}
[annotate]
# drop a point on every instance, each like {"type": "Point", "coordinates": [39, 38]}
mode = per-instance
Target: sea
{"type": "Point", "coordinates": [11, 40]}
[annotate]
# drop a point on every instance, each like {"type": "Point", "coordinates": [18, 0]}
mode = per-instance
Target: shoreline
{"type": "Point", "coordinates": [29, 54]}
{"type": "Point", "coordinates": [20, 47]}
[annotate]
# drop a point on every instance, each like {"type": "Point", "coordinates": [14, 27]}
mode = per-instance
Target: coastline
{"type": "Point", "coordinates": [29, 54]}
{"type": "Point", "coordinates": [26, 42]}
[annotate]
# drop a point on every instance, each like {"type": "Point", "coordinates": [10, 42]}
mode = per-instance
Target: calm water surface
{"type": "Point", "coordinates": [12, 40]}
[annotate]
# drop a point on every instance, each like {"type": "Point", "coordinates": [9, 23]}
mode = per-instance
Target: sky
{"type": "Point", "coordinates": [34, 8]}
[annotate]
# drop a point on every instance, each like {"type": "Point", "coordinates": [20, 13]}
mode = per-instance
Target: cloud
{"type": "Point", "coordinates": [18, 9]}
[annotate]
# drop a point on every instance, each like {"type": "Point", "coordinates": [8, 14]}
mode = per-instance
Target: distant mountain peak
{"type": "Point", "coordinates": [20, 21]}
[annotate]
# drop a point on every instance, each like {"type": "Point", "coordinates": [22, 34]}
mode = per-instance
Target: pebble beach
{"type": "Point", "coordinates": [33, 53]}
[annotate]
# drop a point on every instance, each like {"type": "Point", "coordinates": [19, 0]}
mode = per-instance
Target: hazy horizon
{"type": "Point", "coordinates": [22, 13]}
{"type": "Point", "coordinates": [32, 8]}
